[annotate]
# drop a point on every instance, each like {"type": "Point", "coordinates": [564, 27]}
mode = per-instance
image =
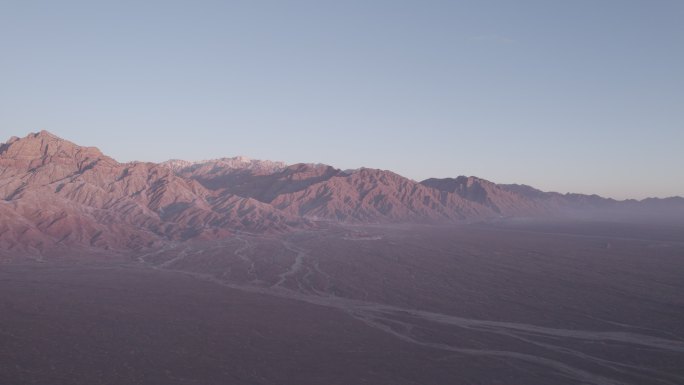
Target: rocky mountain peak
{"type": "Point", "coordinates": [55, 193]}
{"type": "Point", "coordinates": [42, 148]}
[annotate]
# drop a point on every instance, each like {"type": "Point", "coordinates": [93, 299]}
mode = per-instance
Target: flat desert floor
{"type": "Point", "coordinates": [514, 302]}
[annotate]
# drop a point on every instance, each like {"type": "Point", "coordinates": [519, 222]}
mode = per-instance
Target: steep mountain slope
{"type": "Point", "coordinates": [499, 200]}
{"type": "Point", "coordinates": [74, 195]}
{"type": "Point", "coordinates": [56, 195]}
{"type": "Point", "coordinates": [263, 183]}
{"type": "Point", "coordinates": [321, 192]}
{"type": "Point", "coordinates": [370, 195]}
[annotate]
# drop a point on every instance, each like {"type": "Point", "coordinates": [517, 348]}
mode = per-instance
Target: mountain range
{"type": "Point", "coordinates": [56, 195]}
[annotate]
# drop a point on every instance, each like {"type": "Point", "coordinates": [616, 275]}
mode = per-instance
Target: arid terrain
{"type": "Point", "coordinates": [57, 197]}
{"type": "Point", "coordinates": [239, 271]}
{"type": "Point", "coordinates": [512, 302]}
{"type": "Point", "coordinates": [342, 192]}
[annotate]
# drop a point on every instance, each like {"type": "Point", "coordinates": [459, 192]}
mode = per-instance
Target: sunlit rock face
{"type": "Point", "coordinates": [56, 194]}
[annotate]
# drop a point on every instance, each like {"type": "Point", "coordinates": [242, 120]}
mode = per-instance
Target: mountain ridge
{"type": "Point", "coordinates": [56, 194]}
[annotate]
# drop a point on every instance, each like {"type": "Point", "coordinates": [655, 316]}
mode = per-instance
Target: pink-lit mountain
{"type": "Point", "coordinates": [56, 195]}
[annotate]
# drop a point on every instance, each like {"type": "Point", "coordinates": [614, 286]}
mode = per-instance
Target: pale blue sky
{"type": "Point", "coordinates": [582, 96]}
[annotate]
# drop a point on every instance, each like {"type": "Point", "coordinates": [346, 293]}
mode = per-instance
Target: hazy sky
{"type": "Point", "coordinates": [582, 96]}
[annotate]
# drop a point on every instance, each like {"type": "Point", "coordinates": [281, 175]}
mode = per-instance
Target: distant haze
{"type": "Point", "coordinates": [577, 96]}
